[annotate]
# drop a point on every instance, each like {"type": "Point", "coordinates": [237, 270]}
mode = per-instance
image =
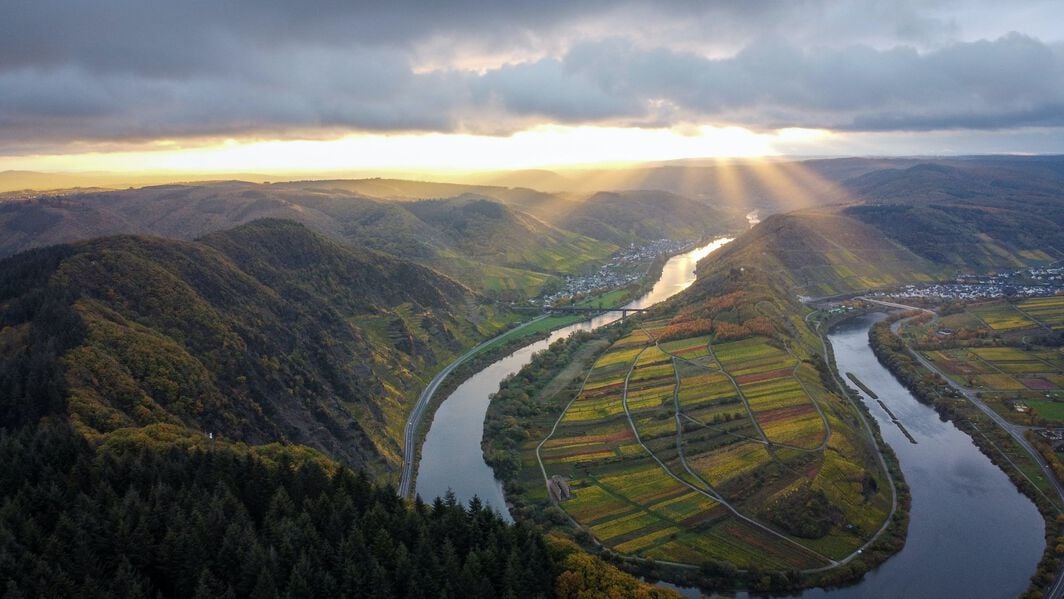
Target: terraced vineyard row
{"type": "Point", "coordinates": [669, 448]}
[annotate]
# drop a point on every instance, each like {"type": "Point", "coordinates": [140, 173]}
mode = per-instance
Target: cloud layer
{"type": "Point", "coordinates": [107, 70]}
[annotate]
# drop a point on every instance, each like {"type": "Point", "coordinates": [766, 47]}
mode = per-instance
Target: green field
{"type": "Point", "coordinates": [1048, 311]}
{"type": "Point", "coordinates": [1008, 374]}
{"type": "Point", "coordinates": [1001, 316]}
{"type": "Point", "coordinates": [991, 351]}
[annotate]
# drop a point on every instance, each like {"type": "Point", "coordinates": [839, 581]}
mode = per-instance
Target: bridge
{"type": "Point", "coordinates": [577, 309]}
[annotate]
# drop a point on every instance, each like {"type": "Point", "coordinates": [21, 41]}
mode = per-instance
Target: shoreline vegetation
{"type": "Point", "coordinates": [507, 344]}
{"type": "Point", "coordinates": [542, 389]}
{"type": "Point", "coordinates": [929, 388]}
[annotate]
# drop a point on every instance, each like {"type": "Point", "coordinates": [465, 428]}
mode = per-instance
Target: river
{"type": "Point", "coordinates": [451, 457]}
{"type": "Point", "coordinates": [971, 533]}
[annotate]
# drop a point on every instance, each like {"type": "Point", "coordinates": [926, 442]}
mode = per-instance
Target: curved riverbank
{"type": "Point", "coordinates": [452, 457]}
{"type": "Point", "coordinates": [971, 533]}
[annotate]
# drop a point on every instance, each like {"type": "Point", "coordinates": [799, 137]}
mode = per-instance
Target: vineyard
{"type": "Point", "coordinates": [1007, 352]}
{"type": "Point", "coordinates": [685, 449]}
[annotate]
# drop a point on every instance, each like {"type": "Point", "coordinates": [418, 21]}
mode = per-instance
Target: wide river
{"type": "Point", "coordinates": [971, 533]}
{"type": "Point", "coordinates": [451, 457]}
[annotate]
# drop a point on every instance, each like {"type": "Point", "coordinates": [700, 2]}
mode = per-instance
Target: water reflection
{"type": "Point", "coordinates": [452, 457]}
{"type": "Point", "coordinates": [971, 533]}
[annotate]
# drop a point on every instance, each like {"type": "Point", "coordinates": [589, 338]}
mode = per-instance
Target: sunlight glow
{"type": "Point", "coordinates": [541, 146]}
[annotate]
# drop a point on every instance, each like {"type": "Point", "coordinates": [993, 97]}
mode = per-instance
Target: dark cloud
{"type": "Point", "coordinates": [135, 69]}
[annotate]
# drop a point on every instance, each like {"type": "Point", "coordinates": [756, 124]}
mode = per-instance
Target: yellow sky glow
{"type": "Point", "coordinates": [543, 146]}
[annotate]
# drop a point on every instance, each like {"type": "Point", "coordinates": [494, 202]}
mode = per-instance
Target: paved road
{"type": "Point", "coordinates": [1014, 430]}
{"type": "Point", "coordinates": [410, 432]}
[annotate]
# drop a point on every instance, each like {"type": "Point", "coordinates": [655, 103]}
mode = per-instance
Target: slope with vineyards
{"type": "Point", "coordinates": [708, 431]}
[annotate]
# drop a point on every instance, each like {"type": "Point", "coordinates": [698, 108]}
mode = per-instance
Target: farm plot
{"type": "Point", "coordinates": [958, 364]}
{"type": "Point", "coordinates": [652, 382]}
{"type": "Point", "coordinates": [1012, 360]}
{"type": "Point", "coordinates": [594, 429]}
{"type": "Point", "coordinates": [642, 482]}
{"type": "Point", "coordinates": [751, 356]}
{"type": "Point", "coordinates": [1048, 311]}
{"type": "Point", "coordinates": [1006, 374]}
{"type": "Point", "coordinates": [784, 412]}
{"type": "Point", "coordinates": [602, 395]}
{"type": "Point", "coordinates": [688, 349]}
{"type": "Point", "coordinates": [730, 461]}
{"type": "Point", "coordinates": [1002, 316]}
{"type": "Point", "coordinates": [736, 542]}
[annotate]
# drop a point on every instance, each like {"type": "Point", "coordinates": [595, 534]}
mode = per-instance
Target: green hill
{"type": "Point", "coordinates": [330, 208]}
{"type": "Point", "coordinates": [974, 218]}
{"type": "Point", "coordinates": [826, 252]}
{"type": "Point", "coordinates": [485, 230]}
{"type": "Point", "coordinates": [634, 216]}
{"type": "Point", "coordinates": [264, 333]}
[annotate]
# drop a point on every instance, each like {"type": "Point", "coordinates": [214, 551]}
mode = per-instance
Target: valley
{"type": "Point", "coordinates": [544, 300]}
{"type": "Point", "coordinates": [709, 440]}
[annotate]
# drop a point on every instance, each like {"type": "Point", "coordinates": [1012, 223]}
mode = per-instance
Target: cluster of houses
{"type": "Point", "coordinates": [625, 267]}
{"type": "Point", "coordinates": [1028, 282]}
{"type": "Point", "coordinates": [1055, 436]}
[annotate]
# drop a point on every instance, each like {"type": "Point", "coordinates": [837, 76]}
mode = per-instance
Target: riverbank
{"type": "Point", "coordinates": [995, 443]}
{"type": "Point", "coordinates": [523, 335]}
{"type": "Point", "coordinates": [531, 401]}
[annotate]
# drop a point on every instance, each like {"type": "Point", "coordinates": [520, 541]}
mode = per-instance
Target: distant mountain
{"type": "Point", "coordinates": [634, 216]}
{"type": "Point", "coordinates": [482, 229]}
{"type": "Point", "coordinates": [540, 179]}
{"type": "Point", "coordinates": [924, 223]}
{"type": "Point", "coordinates": [14, 181]}
{"type": "Point", "coordinates": [188, 211]}
{"type": "Point", "coordinates": [827, 252]}
{"type": "Point", "coordinates": [268, 332]}
{"type": "Point", "coordinates": [532, 201]}
{"type": "Point", "coordinates": [978, 217]}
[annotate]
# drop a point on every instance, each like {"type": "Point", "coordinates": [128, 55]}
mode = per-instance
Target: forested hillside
{"type": "Point", "coordinates": [636, 216]}
{"type": "Point", "coordinates": [190, 211]}
{"type": "Point", "coordinates": [78, 520]}
{"type": "Point", "coordinates": [824, 252]}
{"type": "Point", "coordinates": [268, 332]}
{"type": "Point", "coordinates": [506, 243]}
{"type": "Point", "coordinates": [973, 218]}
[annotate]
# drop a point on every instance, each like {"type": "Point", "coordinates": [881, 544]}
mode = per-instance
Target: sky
{"type": "Point", "coordinates": [278, 85]}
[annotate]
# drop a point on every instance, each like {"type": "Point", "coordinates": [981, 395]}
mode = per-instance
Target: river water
{"type": "Point", "coordinates": [451, 457]}
{"type": "Point", "coordinates": [971, 533]}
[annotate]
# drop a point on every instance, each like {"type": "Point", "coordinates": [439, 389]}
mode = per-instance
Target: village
{"type": "Point", "coordinates": [1029, 282]}
{"type": "Point", "coordinates": [625, 267]}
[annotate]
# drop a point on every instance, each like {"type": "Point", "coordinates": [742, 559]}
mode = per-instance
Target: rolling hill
{"type": "Point", "coordinates": [820, 253]}
{"type": "Point", "coordinates": [630, 216]}
{"type": "Point", "coordinates": [189, 211]}
{"type": "Point", "coordinates": [268, 332]}
{"type": "Point", "coordinates": [974, 218]}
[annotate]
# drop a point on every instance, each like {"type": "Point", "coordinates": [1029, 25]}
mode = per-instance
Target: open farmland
{"type": "Point", "coordinates": [1017, 368]}
{"type": "Point", "coordinates": [1002, 316]}
{"type": "Point", "coordinates": [1048, 311]}
{"type": "Point", "coordinates": [669, 448]}
{"type": "Point", "coordinates": [1022, 384]}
